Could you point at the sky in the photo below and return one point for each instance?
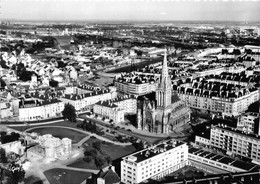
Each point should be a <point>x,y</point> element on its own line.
<point>135,10</point>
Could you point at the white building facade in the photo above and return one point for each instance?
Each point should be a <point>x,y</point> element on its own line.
<point>235,142</point>
<point>42,110</point>
<point>109,110</point>
<point>154,162</point>
<point>135,89</point>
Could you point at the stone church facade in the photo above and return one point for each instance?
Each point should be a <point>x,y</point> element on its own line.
<point>166,112</point>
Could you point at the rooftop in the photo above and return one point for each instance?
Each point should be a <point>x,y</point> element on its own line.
<point>223,159</point>
<point>153,151</point>
<point>107,104</point>
<point>86,95</point>
<point>236,131</point>
<point>242,177</point>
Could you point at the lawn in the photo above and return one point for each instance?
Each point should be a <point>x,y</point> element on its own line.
<point>60,133</point>
<point>115,151</point>
<point>65,176</point>
<point>112,150</point>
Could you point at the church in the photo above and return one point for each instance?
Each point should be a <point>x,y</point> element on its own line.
<point>164,113</point>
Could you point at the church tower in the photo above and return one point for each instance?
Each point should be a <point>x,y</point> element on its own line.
<point>164,91</point>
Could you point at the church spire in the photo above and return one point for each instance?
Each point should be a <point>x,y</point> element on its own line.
<point>164,93</point>
<point>165,79</point>
<point>164,65</point>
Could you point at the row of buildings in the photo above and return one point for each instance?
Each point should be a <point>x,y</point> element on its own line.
<point>240,138</point>
<point>154,163</point>
<point>228,93</point>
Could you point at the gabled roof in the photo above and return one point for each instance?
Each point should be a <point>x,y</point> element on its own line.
<point>110,177</point>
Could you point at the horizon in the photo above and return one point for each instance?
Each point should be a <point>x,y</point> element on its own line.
<point>133,11</point>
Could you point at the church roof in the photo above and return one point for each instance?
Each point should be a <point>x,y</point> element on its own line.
<point>175,98</point>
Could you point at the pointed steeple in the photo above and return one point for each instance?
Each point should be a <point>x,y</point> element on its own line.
<point>165,79</point>
<point>164,93</point>
<point>164,65</point>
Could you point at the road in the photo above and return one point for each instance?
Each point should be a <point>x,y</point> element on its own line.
<point>145,136</point>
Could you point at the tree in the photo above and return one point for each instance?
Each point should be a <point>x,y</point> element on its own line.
<point>54,83</point>
<point>6,176</point>
<point>12,158</point>
<point>87,159</point>
<point>33,180</point>
<point>254,107</point>
<point>18,174</point>
<point>92,153</point>
<point>3,63</point>
<point>100,161</point>
<point>3,158</point>
<point>69,112</point>
<point>97,145</point>
<point>5,138</point>
<point>108,160</point>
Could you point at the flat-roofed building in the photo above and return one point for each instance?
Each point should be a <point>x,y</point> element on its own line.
<point>235,141</point>
<point>215,163</point>
<point>249,122</point>
<point>154,162</point>
<point>252,177</point>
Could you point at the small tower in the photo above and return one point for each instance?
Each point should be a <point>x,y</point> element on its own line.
<point>164,91</point>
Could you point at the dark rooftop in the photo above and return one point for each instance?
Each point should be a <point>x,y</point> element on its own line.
<point>222,159</point>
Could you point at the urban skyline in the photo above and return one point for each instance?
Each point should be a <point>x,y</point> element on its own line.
<point>129,92</point>
<point>131,10</point>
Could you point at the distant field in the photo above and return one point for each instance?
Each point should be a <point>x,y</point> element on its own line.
<point>60,133</point>
<point>65,176</point>
<point>136,66</point>
<point>63,40</point>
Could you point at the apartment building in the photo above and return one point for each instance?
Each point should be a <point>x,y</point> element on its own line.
<point>210,71</point>
<point>136,84</point>
<point>235,141</point>
<point>218,97</point>
<point>136,89</point>
<point>127,103</point>
<point>109,110</point>
<point>5,109</point>
<point>35,110</point>
<point>215,163</point>
<point>249,122</point>
<point>154,162</point>
<point>81,101</point>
